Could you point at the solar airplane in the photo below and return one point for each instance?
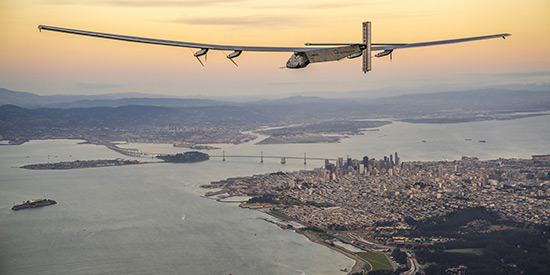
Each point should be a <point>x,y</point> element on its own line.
<point>301,56</point>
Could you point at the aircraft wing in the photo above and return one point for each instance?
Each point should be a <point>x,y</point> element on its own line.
<point>178,43</point>
<point>301,57</point>
<point>393,46</point>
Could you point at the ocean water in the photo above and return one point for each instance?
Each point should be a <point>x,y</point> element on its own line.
<point>152,218</point>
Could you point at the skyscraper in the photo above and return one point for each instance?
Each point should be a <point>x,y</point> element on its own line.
<point>396,159</point>
<point>366,162</point>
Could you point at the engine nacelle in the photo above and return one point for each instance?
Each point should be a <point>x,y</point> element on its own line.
<point>384,53</point>
<point>355,55</point>
<point>200,52</point>
<point>234,54</point>
<point>297,60</point>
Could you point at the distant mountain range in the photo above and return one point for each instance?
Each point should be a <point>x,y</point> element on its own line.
<point>486,99</point>
<point>30,100</point>
<point>109,117</point>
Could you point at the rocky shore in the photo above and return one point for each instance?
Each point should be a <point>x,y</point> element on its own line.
<point>33,204</point>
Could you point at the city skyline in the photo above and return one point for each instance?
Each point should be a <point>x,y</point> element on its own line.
<point>51,63</point>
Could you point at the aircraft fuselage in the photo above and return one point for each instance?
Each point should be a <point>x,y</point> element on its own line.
<point>297,60</point>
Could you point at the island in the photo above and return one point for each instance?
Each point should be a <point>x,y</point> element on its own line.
<point>187,157</point>
<point>81,164</point>
<point>33,204</point>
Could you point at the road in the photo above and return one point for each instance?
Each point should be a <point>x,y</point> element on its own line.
<point>415,267</point>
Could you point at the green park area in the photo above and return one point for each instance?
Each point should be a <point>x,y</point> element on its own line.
<point>377,260</point>
<point>279,215</point>
<point>474,251</point>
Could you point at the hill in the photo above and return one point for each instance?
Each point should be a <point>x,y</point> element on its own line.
<point>170,120</point>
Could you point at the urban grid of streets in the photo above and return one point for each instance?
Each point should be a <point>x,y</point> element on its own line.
<point>366,202</point>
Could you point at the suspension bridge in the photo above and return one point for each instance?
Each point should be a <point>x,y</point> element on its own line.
<point>261,157</point>
<point>136,153</point>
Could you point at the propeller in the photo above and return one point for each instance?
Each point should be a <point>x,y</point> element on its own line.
<point>200,61</point>
<point>199,53</point>
<point>233,55</point>
<point>233,62</point>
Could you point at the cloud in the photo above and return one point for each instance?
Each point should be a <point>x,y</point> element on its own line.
<point>289,83</point>
<point>530,80</point>
<point>147,4</point>
<point>240,21</point>
<point>543,73</point>
<point>201,3</point>
<point>541,77</point>
<point>283,83</point>
<point>96,86</point>
<point>318,5</point>
<point>168,3</point>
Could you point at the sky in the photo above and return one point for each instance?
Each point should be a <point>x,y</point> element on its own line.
<point>49,63</point>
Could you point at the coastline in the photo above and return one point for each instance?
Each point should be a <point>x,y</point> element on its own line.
<point>360,266</point>
<point>472,118</point>
<point>300,139</point>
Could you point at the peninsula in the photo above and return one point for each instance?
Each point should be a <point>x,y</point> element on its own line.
<point>323,132</point>
<point>430,208</point>
<point>299,138</point>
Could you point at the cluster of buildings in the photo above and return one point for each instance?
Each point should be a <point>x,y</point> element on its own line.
<point>190,135</point>
<point>363,195</point>
<point>365,166</point>
<point>145,134</point>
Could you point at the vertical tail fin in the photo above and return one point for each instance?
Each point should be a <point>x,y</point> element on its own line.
<point>367,62</point>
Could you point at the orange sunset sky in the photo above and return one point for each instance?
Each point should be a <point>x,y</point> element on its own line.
<point>48,63</point>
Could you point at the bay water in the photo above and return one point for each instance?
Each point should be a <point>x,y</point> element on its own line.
<point>153,218</point>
